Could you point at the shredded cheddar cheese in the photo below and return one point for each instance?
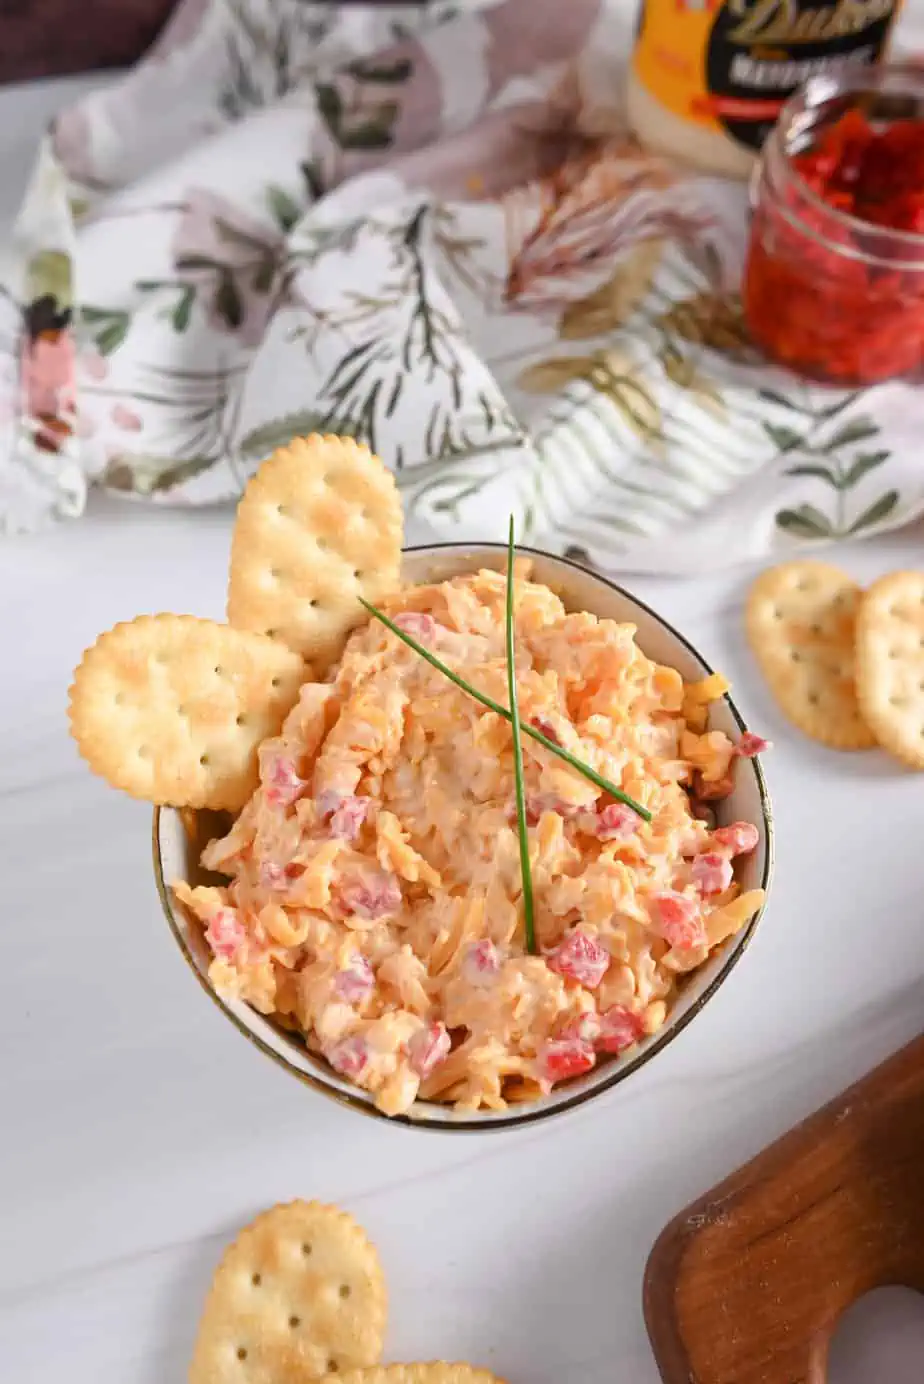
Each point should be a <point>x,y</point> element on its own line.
<point>373,889</point>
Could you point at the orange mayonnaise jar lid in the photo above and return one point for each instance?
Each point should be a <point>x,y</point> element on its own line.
<point>708,78</point>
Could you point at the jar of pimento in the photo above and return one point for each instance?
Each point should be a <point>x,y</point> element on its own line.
<point>834,277</point>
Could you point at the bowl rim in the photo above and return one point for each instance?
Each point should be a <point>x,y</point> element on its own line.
<point>528,1113</point>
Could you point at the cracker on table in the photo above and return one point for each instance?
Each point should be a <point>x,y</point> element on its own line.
<point>318,526</point>
<point>171,708</point>
<point>890,664</point>
<point>801,625</point>
<point>437,1372</point>
<point>299,1294</point>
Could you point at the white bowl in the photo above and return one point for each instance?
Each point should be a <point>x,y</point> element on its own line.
<point>179,838</point>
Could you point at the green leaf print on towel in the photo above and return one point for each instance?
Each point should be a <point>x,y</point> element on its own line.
<point>838,473</point>
<point>279,432</point>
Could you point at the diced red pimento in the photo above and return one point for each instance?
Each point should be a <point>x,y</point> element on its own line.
<point>562,1058</point>
<point>347,819</point>
<point>418,624</point>
<point>482,962</point>
<point>282,785</point>
<point>677,919</point>
<point>355,982</point>
<point>617,822</point>
<point>537,803</point>
<point>371,894</point>
<point>326,803</point>
<point>619,1029</point>
<point>580,957</point>
<point>348,1056</point>
<point>751,745</point>
<point>544,726</point>
<point>225,934</point>
<point>428,1048</point>
<point>533,811</point>
<point>740,838</point>
<point>271,875</point>
<point>712,872</point>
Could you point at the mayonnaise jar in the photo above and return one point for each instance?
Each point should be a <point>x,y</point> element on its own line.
<point>708,78</point>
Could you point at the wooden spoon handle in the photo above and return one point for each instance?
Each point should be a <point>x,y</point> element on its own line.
<point>747,1284</point>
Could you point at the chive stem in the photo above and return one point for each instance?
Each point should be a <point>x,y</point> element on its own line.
<point>522,827</point>
<point>585,769</point>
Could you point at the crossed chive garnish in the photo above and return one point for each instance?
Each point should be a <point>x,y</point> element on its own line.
<point>513,716</point>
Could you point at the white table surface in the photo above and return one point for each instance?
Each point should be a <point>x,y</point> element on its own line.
<point>138,1131</point>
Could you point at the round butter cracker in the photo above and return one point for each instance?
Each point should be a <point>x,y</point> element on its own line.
<point>171,709</point>
<point>801,626</point>
<point>890,664</point>
<point>298,1295</point>
<point>437,1372</point>
<point>319,525</point>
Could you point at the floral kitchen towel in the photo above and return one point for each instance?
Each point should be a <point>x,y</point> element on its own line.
<point>425,226</point>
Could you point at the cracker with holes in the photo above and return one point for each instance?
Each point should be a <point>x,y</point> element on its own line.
<point>890,664</point>
<point>172,709</point>
<point>801,625</point>
<point>437,1372</point>
<point>319,525</point>
<point>300,1294</point>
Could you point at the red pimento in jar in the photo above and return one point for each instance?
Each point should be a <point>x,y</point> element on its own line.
<point>834,279</point>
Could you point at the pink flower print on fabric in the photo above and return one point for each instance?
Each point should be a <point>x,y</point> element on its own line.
<point>47,390</point>
<point>231,260</point>
<point>72,144</point>
<point>502,150</point>
<point>524,36</point>
<point>94,366</point>
<point>48,374</point>
<point>126,418</point>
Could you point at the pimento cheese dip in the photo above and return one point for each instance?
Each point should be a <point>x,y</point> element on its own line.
<point>374,888</point>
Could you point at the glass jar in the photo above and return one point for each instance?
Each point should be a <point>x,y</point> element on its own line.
<point>834,297</point>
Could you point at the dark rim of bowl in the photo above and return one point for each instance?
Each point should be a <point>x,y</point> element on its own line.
<point>526,1114</point>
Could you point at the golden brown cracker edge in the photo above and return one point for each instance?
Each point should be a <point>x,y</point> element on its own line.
<point>298,1295</point>
<point>890,664</point>
<point>318,526</point>
<point>171,708</point>
<point>800,620</point>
